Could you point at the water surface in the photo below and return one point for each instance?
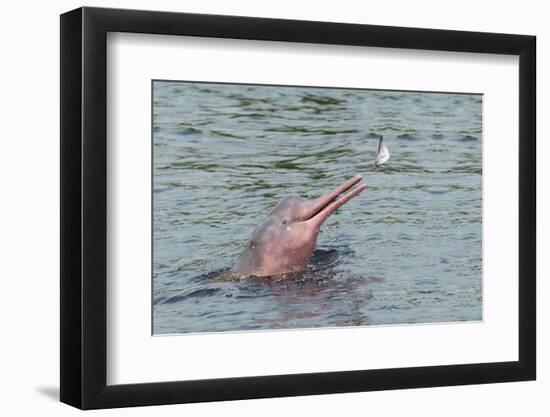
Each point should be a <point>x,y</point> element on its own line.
<point>407,250</point>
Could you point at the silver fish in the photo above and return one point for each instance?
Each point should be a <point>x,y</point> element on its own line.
<point>383,154</point>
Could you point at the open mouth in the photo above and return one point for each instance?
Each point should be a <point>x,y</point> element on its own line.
<point>326,205</point>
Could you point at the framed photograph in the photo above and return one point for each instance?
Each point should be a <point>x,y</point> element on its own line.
<point>257,208</point>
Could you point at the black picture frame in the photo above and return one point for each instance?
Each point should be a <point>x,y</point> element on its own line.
<point>84,207</point>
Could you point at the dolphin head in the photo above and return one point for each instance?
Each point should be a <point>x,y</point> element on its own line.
<point>285,240</point>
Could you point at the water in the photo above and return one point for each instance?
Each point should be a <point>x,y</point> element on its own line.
<point>407,250</point>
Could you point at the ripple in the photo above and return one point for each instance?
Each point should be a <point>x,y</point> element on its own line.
<point>467,138</point>
<point>188,131</point>
<point>323,100</point>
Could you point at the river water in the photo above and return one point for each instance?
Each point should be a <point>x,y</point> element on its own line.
<point>407,250</point>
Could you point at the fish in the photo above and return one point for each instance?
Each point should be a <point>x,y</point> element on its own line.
<point>383,154</point>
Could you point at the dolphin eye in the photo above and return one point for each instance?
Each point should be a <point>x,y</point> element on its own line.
<point>285,221</point>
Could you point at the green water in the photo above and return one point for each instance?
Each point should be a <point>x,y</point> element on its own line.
<point>407,250</point>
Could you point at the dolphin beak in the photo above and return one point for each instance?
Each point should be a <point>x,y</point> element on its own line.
<point>326,205</point>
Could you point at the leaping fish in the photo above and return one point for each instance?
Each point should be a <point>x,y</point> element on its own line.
<point>383,154</point>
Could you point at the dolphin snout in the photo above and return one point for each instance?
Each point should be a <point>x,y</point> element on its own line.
<point>327,204</point>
